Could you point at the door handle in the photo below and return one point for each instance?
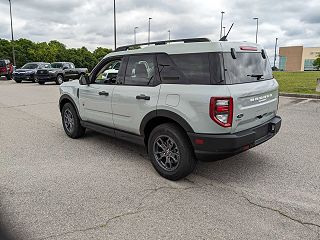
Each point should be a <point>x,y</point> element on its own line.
<point>103,93</point>
<point>142,97</point>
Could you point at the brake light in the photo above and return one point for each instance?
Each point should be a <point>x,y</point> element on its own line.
<point>221,110</point>
<point>248,48</point>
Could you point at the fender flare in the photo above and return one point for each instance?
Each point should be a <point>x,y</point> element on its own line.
<point>68,98</point>
<point>168,114</point>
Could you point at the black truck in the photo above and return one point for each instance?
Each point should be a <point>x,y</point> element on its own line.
<point>59,72</point>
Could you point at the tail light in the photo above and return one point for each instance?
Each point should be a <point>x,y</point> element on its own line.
<point>221,110</point>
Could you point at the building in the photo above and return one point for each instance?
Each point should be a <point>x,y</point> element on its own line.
<point>297,58</point>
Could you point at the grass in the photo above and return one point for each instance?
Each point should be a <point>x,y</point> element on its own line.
<point>298,82</point>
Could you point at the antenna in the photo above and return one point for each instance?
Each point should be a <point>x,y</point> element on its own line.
<point>224,38</point>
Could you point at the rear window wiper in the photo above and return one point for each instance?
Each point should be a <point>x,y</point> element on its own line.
<point>258,76</point>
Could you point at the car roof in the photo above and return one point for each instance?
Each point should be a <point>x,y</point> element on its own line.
<point>184,48</point>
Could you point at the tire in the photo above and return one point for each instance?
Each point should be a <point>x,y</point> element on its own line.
<point>18,81</point>
<point>178,160</point>
<point>71,122</point>
<point>59,79</point>
<point>40,82</point>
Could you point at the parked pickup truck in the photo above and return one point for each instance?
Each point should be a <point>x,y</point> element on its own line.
<point>59,72</point>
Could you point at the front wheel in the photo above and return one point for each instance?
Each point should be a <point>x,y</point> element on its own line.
<point>71,122</point>
<point>18,81</point>
<point>171,152</point>
<point>59,80</point>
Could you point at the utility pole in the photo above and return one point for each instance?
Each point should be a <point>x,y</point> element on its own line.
<point>275,53</point>
<point>149,29</point>
<point>257,28</point>
<point>114,24</point>
<point>224,31</point>
<point>221,23</point>
<point>169,35</point>
<point>12,40</point>
<point>135,34</point>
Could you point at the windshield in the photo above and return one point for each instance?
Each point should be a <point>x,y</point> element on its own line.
<point>247,67</point>
<point>30,66</point>
<point>56,65</point>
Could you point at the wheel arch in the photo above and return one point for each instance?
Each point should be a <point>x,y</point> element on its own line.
<point>67,99</point>
<point>157,117</point>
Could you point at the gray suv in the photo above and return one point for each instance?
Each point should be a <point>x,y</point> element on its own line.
<point>188,101</point>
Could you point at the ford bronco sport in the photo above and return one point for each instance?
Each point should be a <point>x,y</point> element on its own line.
<point>186,101</point>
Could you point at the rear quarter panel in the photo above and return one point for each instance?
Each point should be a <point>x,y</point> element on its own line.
<point>192,102</point>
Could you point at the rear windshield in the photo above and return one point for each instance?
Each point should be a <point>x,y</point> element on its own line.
<point>246,68</point>
<point>2,64</point>
<point>30,66</point>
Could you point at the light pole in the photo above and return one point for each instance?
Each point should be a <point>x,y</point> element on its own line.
<point>221,23</point>
<point>149,29</point>
<point>224,31</point>
<point>169,35</point>
<point>257,28</point>
<point>275,53</point>
<point>12,40</point>
<point>114,25</point>
<point>135,34</point>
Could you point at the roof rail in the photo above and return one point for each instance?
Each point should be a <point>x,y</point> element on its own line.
<point>185,40</point>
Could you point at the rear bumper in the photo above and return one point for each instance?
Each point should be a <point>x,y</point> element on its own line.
<point>212,145</point>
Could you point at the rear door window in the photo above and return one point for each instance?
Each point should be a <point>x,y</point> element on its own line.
<point>246,68</point>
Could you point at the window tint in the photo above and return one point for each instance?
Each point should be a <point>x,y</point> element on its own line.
<point>194,66</point>
<point>140,70</point>
<point>247,67</point>
<point>187,68</point>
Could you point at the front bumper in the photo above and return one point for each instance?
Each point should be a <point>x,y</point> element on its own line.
<point>23,77</point>
<point>46,78</point>
<point>207,146</point>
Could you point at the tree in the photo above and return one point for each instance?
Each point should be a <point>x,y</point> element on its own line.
<point>53,51</point>
<point>316,62</point>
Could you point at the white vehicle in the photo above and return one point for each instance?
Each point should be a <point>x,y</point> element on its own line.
<point>185,102</point>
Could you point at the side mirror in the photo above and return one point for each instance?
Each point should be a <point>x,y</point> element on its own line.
<point>84,80</point>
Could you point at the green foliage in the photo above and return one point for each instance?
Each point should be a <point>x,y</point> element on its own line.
<point>316,62</point>
<point>298,82</point>
<point>53,51</point>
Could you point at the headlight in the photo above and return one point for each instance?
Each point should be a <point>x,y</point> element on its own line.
<point>29,72</point>
<point>52,72</point>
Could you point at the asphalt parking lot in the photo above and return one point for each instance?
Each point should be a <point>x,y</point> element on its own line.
<point>53,187</point>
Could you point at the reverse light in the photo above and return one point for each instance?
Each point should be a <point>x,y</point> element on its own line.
<point>221,110</point>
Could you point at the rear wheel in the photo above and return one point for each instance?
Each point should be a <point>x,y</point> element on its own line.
<point>18,81</point>
<point>170,151</point>
<point>71,122</point>
<point>59,79</point>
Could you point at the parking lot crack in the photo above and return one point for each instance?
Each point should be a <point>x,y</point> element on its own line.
<point>281,213</point>
<point>26,105</point>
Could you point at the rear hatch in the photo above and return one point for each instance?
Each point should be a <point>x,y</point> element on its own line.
<point>251,85</point>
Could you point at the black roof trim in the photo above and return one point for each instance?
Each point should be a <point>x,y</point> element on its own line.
<point>185,40</point>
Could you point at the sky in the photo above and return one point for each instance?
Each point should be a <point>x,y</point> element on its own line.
<point>89,23</point>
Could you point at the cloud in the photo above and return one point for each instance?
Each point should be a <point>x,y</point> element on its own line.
<point>89,23</point>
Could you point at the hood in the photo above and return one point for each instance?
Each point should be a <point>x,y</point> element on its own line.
<point>53,69</point>
<point>25,70</point>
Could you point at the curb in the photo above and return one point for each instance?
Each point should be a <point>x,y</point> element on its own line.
<point>297,95</point>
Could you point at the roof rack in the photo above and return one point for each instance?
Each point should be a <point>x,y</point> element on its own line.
<point>185,40</point>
